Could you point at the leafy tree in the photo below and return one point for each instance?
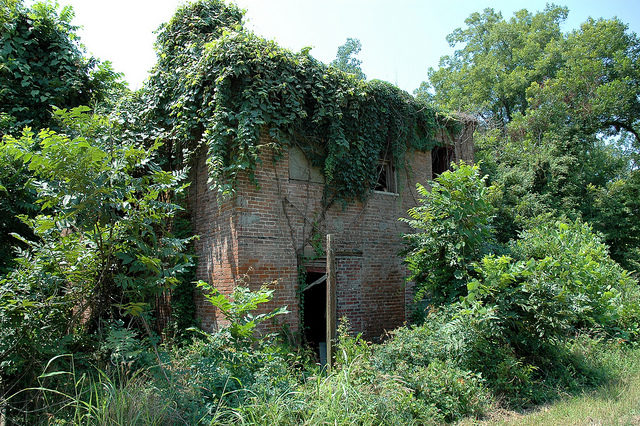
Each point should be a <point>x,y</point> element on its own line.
<point>499,60</point>
<point>559,112</point>
<point>596,88</point>
<point>453,230</point>
<point>103,247</point>
<point>41,66</point>
<point>423,93</point>
<point>616,214</point>
<point>346,58</point>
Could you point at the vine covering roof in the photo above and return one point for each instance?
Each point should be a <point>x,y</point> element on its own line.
<point>221,87</point>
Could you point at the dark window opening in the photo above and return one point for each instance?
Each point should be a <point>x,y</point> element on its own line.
<point>386,181</point>
<point>314,311</point>
<point>441,159</point>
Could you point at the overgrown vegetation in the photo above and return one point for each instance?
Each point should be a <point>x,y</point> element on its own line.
<point>103,251</point>
<point>510,312</point>
<point>518,300</point>
<point>220,87</point>
<point>558,113</point>
<point>454,230</point>
<point>41,65</point>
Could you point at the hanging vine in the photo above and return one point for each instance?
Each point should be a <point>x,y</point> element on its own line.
<point>221,87</point>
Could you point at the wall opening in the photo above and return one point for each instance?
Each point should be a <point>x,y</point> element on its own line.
<point>386,181</point>
<point>441,159</point>
<point>314,308</point>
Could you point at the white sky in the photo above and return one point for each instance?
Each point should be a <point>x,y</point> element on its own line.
<point>400,39</point>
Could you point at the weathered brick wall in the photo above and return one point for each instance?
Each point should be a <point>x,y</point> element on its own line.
<point>349,303</point>
<point>216,223</point>
<point>264,230</point>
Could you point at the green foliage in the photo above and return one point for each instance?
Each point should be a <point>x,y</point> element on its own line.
<point>430,359</point>
<point>103,248</point>
<point>471,342</point>
<point>179,46</point>
<point>346,60</point>
<point>616,215</point>
<point>15,198</point>
<point>228,87</point>
<point>41,65</point>
<point>453,230</point>
<point>498,61</point>
<point>506,312</point>
<point>453,392</point>
<point>558,113</point>
<point>234,361</point>
<point>104,397</point>
<point>561,278</point>
<point>353,393</point>
<point>238,308</point>
<point>598,83</point>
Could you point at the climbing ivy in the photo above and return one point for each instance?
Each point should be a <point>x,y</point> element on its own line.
<point>222,88</point>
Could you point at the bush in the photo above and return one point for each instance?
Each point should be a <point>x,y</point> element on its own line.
<point>453,230</point>
<point>103,248</point>
<point>505,312</point>
<point>454,393</point>
<point>471,341</point>
<point>233,363</point>
<point>559,279</point>
<point>468,342</point>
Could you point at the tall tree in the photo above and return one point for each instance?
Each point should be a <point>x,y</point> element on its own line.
<point>41,66</point>
<point>560,113</point>
<point>346,58</point>
<point>499,60</point>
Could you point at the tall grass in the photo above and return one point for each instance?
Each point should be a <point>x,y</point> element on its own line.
<point>101,398</point>
<point>350,394</point>
<point>353,393</point>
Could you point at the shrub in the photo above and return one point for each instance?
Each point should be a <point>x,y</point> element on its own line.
<point>452,391</point>
<point>354,392</point>
<point>469,341</point>
<point>559,279</point>
<point>453,230</point>
<point>103,248</point>
<point>235,362</point>
<point>472,344</point>
<point>506,312</point>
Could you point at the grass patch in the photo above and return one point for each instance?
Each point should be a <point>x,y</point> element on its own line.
<point>616,401</point>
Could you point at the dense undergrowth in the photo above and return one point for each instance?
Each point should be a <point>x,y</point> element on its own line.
<point>501,319</point>
<point>530,325</point>
<point>218,379</point>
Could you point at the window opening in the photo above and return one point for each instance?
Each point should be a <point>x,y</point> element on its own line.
<point>386,177</point>
<point>441,159</point>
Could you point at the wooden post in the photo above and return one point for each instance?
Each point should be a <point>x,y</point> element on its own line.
<point>331,300</point>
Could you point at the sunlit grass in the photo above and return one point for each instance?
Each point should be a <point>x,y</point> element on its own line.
<point>615,402</point>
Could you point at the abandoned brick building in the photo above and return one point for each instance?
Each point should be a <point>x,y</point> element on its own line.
<point>271,232</point>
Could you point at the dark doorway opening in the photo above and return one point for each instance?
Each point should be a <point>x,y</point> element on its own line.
<point>441,159</point>
<point>314,307</point>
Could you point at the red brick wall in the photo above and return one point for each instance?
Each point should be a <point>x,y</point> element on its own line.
<point>263,231</point>
<point>349,291</point>
<point>216,223</point>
